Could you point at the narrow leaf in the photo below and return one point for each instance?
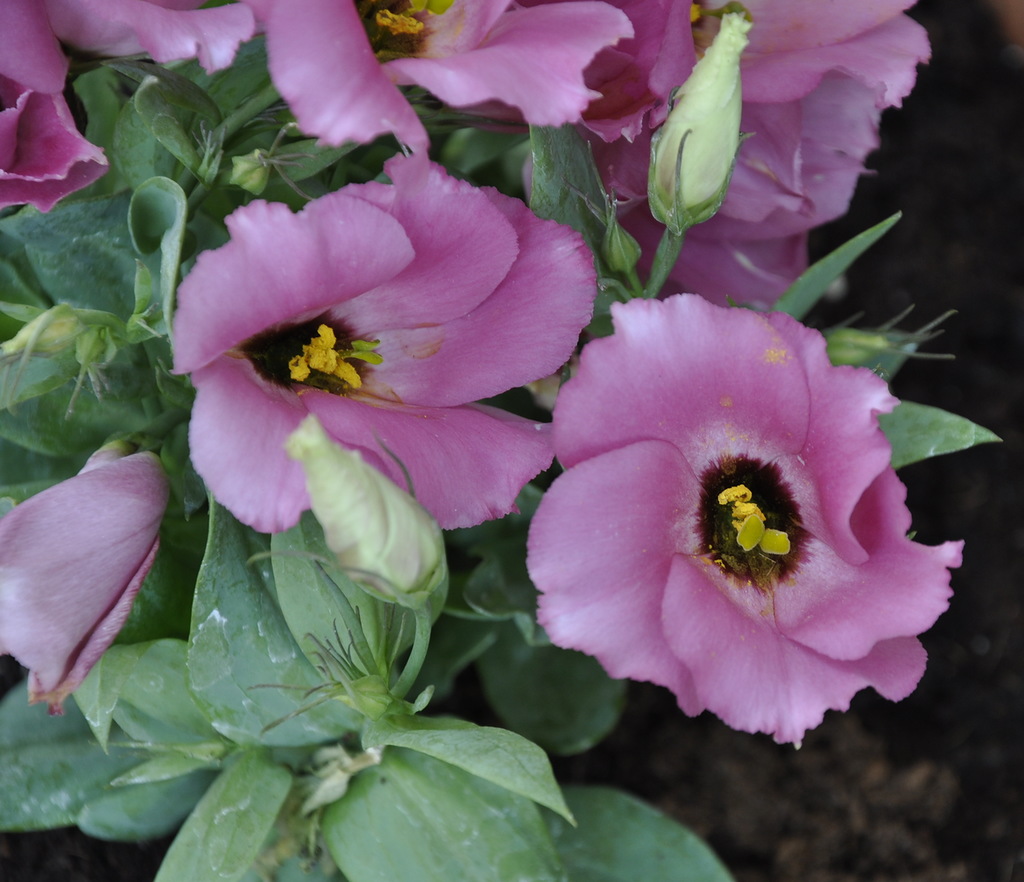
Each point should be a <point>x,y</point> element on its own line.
<point>917,432</point>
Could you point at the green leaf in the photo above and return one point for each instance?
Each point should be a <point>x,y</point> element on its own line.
<point>917,432</point>
<point>566,186</point>
<point>225,832</point>
<point>136,153</point>
<point>807,290</point>
<point>496,755</point>
<point>619,837</point>
<point>99,692</point>
<point>559,698</point>
<point>312,606</point>
<point>174,89</point>
<point>418,819</point>
<point>244,667</point>
<point>143,811</point>
<point>156,218</point>
<point>52,766</point>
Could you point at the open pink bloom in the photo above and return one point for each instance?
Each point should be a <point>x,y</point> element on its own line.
<point>72,559</point>
<point>728,524</point>
<point>814,86</point>
<point>166,30</point>
<point>339,72</point>
<point>406,302</point>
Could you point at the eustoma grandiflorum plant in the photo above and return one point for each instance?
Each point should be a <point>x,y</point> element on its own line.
<point>271,477</point>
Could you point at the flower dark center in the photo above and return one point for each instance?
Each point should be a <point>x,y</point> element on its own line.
<point>749,523</point>
<point>396,27</point>
<point>315,353</point>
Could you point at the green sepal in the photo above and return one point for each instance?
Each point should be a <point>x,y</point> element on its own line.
<point>918,431</point>
<point>496,755</point>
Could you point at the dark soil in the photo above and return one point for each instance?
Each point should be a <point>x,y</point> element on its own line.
<point>930,789</point>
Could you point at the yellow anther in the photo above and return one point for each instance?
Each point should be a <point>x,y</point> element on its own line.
<point>739,493</point>
<point>398,24</point>
<point>750,532</point>
<point>694,12</point>
<point>775,542</point>
<point>320,355</point>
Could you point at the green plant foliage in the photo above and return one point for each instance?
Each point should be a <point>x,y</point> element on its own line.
<point>496,755</point>
<point>561,699</point>
<point>618,837</point>
<point>917,432</point>
<point>52,766</point>
<point>224,833</point>
<point>419,819</point>
<point>244,667</point>
<point>806,291</point>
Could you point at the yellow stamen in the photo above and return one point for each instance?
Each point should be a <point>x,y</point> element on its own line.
<point>398,24</point>
<point>694,12</point>
<point>748,519</point>
<point>320,355</point>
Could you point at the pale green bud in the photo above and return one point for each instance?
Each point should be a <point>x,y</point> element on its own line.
<point>48,333</point>
<point>382,537</point>
<point>250,172</point>
<point>693,153</point>
<point>850,346</point>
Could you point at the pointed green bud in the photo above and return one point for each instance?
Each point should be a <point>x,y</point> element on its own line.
<point>693,153</point>
<point>618,248</point>
<point>382,537</point>
<point>48,333</point>
<point>850,346</point>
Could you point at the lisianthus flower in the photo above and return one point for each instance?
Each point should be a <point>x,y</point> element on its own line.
<point>634,77</point>
<point>728,524</point>
<point>43,158</point>
<point>385,310</point>
<point>72,559</point>
<point>814,86</point>
<point>338,64</point>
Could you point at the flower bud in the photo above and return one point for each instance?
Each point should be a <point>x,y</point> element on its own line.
<point>381,536</point>
<point>72,559</point>
<point>250,172</point>
<point>693,153</point>
<point>859,348</point>
<point>48,333</point>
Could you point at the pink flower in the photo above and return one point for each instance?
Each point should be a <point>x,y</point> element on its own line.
<point>814,86</point>
<point>384,310</point>
<point>42,156</point>
<point>166,30</point>
<point>72,559</point>
<point>728,524</point>
<point>634,77</point>
<point>339,71</point>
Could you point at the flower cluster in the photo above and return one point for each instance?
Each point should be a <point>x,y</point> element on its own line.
<point>340,362</point>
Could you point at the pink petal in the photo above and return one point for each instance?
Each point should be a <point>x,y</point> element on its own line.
<point>43,158</point>
<point>283,267</point>
<point>691,402</point>
<point>756,679</point>
<point>467,464</point>
<point>61,603</point>
<point>237,434</point>
<point>168,30</point>
<point>532,59</point>
<point>841,610</point>
<point>29,52</point>
<point>324,67</point>
<point>513,337</point>
<point>613,524</point>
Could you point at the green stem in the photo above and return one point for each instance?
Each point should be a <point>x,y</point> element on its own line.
<point>664,260</point>
<point>254,106</point>
<point>417,654</point>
